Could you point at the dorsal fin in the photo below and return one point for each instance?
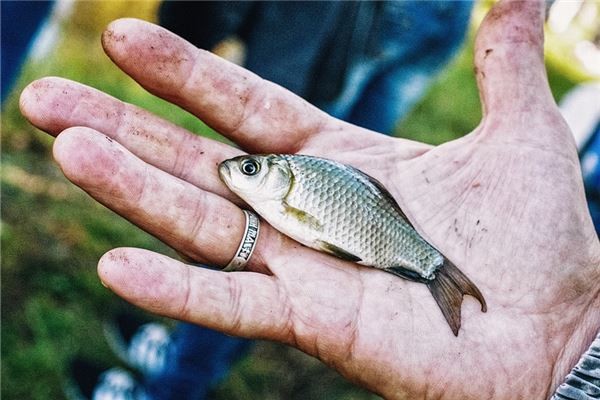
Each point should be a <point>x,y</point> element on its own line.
<point>385,193</point>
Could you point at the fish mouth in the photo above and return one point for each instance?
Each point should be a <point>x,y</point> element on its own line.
<point>224,172</point>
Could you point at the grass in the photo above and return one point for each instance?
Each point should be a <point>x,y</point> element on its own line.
<point>53,234</point>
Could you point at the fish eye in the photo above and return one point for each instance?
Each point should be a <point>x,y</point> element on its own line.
<point>249,167</point>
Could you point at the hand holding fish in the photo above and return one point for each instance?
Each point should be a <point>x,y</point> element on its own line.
<point>505,203</point>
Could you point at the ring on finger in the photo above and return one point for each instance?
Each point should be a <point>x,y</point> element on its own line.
<point>247,244</point>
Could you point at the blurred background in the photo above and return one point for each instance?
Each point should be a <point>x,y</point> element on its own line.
<point>52,234</point>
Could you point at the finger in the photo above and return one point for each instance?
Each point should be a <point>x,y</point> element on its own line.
<point>509,59</point>
<point>242,304</point>
<point>55,104</point>
<point>199,224</point>
<point>256,114</point>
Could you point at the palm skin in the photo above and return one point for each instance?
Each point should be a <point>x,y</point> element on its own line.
<point>504,202</point>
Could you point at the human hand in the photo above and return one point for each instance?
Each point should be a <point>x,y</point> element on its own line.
<point>504,202</point>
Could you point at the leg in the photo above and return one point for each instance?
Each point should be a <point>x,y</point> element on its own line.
<point>196,359</point>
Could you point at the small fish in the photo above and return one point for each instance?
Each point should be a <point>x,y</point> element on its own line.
<point>338,209</point>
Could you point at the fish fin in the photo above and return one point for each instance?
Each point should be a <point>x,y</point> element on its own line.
<point>337,251</point>
<point>386,194</point>
<point>448,288</point>
<point>303,216</point>
<point>406,274</point>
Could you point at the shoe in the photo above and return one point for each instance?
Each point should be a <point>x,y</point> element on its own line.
<point>138,343</point>
<point>91,382</point>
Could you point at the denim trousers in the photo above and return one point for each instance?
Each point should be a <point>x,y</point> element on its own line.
<point>196,360</point>
<point>415,40</point>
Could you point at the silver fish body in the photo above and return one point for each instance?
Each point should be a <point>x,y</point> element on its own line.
<point>338,209</point>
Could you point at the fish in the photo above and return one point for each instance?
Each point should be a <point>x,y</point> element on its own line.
<point>338,209</point>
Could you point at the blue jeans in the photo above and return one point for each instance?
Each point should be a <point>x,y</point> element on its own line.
<point>21,21</point>
<point>197,359</point>
<point>415,41</point>
<point>363,62</point>
<point>590,168</point>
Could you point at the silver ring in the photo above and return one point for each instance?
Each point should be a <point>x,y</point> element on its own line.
<point>244,251</point>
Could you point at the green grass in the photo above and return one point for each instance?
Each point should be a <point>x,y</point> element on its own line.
<point>451,107</point>
<point>53,234</point>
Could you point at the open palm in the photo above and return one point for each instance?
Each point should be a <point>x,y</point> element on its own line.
<point>504,202</point>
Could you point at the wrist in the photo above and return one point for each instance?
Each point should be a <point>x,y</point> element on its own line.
<point>584,379</point>
<point>577,372</point>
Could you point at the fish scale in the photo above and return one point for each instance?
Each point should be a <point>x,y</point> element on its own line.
<point>356,217</point>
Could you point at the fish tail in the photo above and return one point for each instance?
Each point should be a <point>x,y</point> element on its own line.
<point>448,289</point>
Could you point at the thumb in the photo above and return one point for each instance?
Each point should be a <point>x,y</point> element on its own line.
<point>509,60</point>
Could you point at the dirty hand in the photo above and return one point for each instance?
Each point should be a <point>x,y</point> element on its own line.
<point>504,202</point>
